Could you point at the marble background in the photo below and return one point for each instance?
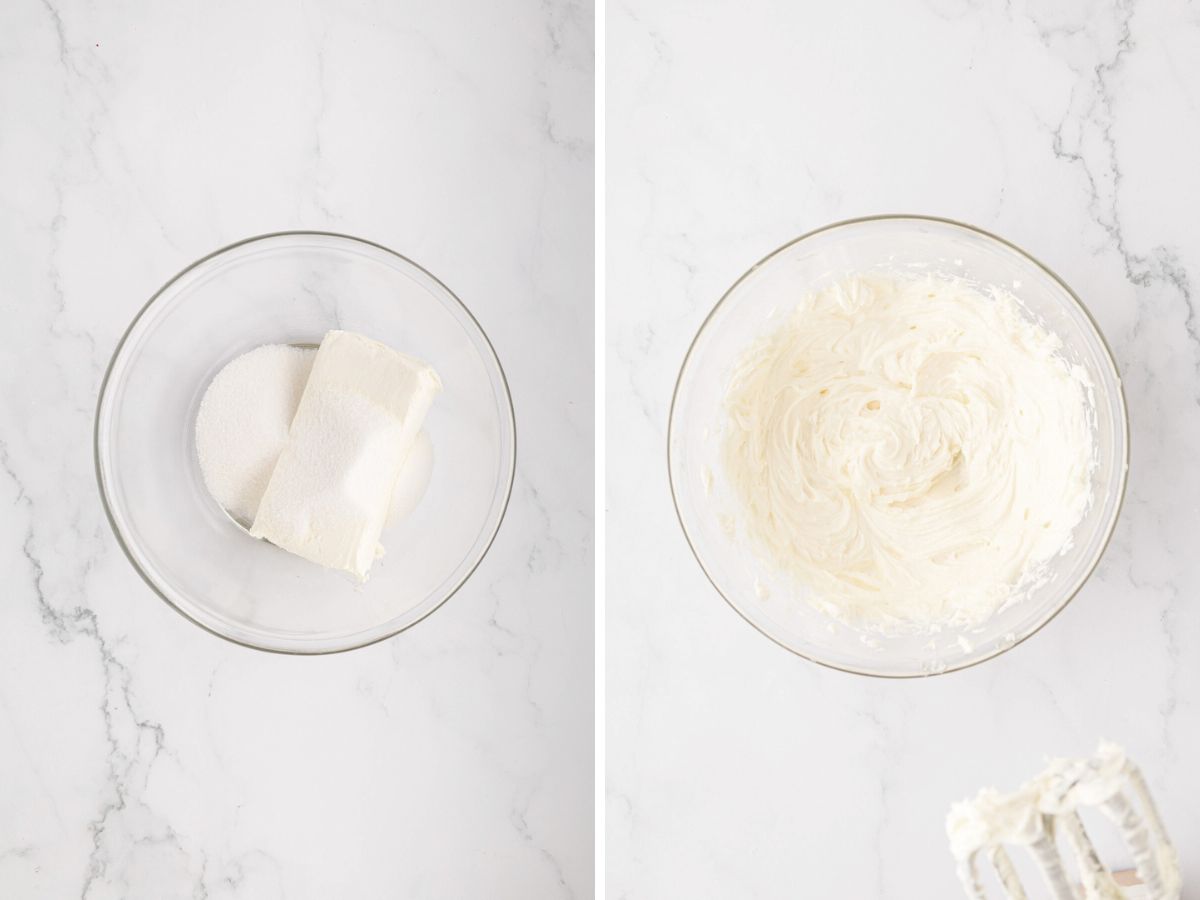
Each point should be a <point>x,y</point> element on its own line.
<point>1072,128</point>
<point>142,757</point>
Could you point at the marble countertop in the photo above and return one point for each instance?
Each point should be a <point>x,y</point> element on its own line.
<point>142,757</point>
<point>1073,129</point>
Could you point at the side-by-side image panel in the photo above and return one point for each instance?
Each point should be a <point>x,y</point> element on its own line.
<point>297,435</point>
<point>900,407</point>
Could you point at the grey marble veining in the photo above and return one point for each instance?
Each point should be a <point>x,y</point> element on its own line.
<point>143,758</point>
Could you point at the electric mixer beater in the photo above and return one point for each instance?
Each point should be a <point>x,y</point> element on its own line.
<point>1037,814</point>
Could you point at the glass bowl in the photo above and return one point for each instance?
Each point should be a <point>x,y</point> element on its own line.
<point>770,602</point>
<point>292,288</point>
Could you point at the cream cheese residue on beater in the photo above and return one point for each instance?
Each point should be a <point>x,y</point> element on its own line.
<point>909,449</point>
<point>1035,816</point>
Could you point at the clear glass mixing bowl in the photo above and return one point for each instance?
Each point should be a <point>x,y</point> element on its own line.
<point>770,602</point>
<point>292,288</point>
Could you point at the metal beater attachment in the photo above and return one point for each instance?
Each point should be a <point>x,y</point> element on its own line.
<point>1047,808</point>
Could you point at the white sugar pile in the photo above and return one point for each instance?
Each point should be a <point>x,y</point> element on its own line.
<point>243,424</point>
<point>244,420</point>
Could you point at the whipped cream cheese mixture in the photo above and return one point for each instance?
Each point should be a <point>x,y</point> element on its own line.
<point>910,449</point>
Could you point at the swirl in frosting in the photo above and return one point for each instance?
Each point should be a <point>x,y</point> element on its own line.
<point>909,449</point>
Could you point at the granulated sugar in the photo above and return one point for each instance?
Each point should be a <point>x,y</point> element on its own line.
<point>243,423</point>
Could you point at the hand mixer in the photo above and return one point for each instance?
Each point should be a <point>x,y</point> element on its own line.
<point>1037,814</point>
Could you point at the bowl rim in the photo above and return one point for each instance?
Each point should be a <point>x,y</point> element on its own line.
<point>101,480</point>
<point>1110,527</point>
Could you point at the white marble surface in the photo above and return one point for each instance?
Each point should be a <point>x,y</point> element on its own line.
<point>141,757</point>
<point>734,768</point>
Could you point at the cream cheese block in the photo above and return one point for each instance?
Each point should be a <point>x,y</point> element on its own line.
<point>327,499</point>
